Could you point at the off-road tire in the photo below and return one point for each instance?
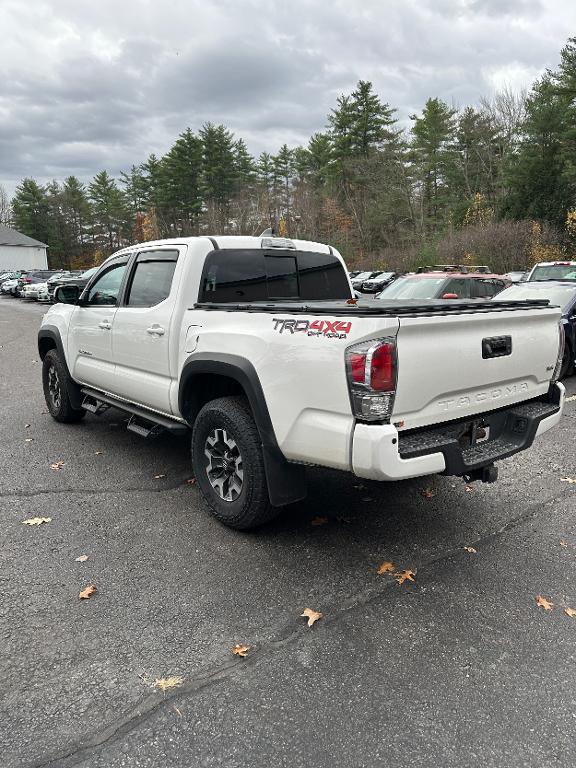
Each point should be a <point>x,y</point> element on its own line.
<point>56,383</point>
<point>231,416</point>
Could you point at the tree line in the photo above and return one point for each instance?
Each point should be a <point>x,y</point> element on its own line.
<point>493,183</point>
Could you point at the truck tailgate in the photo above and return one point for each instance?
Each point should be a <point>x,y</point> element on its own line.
<point>453,366</point>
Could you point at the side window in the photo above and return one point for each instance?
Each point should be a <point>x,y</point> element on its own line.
<point>485,289</point>
<point>460,286</point>
<point>105,290</point>
<point>152,278</point>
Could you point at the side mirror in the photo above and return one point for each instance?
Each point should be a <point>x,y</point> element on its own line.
<point>67,294</point>
<point>450,296</point>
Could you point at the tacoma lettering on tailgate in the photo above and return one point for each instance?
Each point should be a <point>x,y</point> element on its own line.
<point>481,397</point>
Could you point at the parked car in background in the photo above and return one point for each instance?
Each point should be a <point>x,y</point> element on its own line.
<point>361,278</point>
<point>9,286</point>
<point>354,273</point>
<point>516,277</point>
<point>434,285</point>
<point>39,291</point>
<point>559,293</point>
<point>378,283</point>
<point>553,270</point>
<point>73,278</point>
<point>461,268</point>
<point>33,277</point>
<point>9,277</point>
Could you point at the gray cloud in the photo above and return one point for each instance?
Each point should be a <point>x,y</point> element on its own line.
<point>102,85</point>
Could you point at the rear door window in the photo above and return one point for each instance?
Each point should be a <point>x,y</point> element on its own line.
<point>152,278</point>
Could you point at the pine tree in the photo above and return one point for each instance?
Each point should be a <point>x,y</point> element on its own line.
<point>76,209</point>
<point>31,212</point>
<point>179,189</point>
<point>433,134</point>
<point>538,175</point>
<point>360,123</point>
<point>109,212</point>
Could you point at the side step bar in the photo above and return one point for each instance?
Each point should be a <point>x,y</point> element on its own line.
<point>142,422</point>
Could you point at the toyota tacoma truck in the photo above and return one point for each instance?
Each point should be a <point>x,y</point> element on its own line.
<point>256,346</point>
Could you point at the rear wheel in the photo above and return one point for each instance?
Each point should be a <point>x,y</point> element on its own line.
<point>229,465</point>
<point>56,382</point>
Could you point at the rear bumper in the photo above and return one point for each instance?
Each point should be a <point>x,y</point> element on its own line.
<point>380,452</point>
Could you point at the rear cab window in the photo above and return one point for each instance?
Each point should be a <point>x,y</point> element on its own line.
<point>252,275</point>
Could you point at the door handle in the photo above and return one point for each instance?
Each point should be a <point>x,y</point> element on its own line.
<point>105,325</point>
<point>155,330</point>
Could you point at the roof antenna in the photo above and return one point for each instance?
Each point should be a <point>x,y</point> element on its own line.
<point>268,232</point>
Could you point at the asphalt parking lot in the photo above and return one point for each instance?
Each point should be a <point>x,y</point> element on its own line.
<point>459,668</point>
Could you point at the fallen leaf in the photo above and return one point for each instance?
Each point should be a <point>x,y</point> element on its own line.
<point>570,612</point>
<point>26,426</point>
<point>403,576</point>
<point>165,683</point>
<point>319,521</point>
<point>311,615</point>
<point>570,480</point>
<point>471,550</point>
<point>87,592</point>
<point>428,493</point>
<point>29,440</point>
<point>386,567</point>
<point>469,488</point>
<point>541,601</point>
<point>570,399</point>
<point>81,559</point>
<point>57,466</point>
<point>37,520</point>
<point>191,481</point>
<point>177,711</point>
<point>564,543</point>
<point>159,477</point>
<point>240,650</point>
<point>351,301</point>
<point>98,453</point>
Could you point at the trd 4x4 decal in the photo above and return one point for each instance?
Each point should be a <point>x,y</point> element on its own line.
<point>331,329</point>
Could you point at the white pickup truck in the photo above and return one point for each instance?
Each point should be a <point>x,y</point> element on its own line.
<point>256,345</point>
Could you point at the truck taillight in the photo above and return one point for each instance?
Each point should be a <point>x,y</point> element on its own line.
<point>371,370</point>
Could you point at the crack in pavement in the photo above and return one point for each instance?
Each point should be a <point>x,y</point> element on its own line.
<point>260,652</point>
<point>96,491</point>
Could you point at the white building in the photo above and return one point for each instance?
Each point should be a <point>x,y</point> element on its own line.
<point>19,251</point>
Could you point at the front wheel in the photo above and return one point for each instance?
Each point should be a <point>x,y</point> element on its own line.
<point>229,466</point>
<point>56,382</point>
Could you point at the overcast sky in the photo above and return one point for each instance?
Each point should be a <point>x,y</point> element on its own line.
<point>102,84</point>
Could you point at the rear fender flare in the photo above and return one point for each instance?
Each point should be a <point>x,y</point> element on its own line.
<point>286,481</point>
